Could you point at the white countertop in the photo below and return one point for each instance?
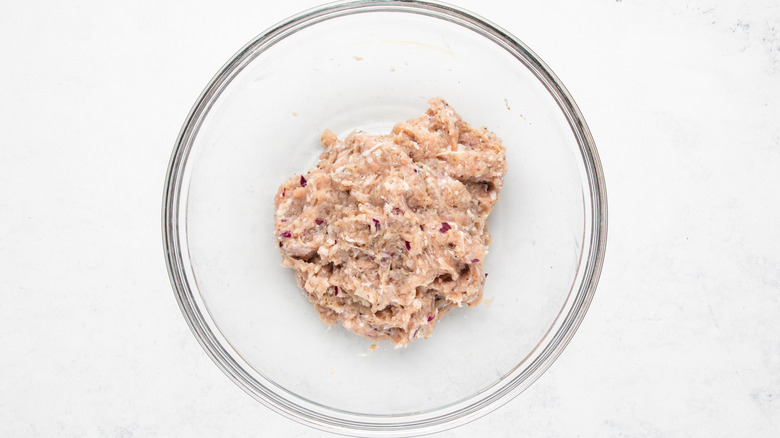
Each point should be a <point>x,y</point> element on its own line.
<point>682,339</point>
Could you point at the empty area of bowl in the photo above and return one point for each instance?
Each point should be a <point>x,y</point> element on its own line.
<point>369,71</point>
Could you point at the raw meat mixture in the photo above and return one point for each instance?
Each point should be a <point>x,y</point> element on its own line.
<point>389,232</point>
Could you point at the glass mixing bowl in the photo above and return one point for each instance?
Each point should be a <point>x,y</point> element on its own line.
<point>367,65</point>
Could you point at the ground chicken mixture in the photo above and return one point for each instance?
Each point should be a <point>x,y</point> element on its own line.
<point>388,232</point>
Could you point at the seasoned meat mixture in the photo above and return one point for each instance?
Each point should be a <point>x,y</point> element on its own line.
<point>388,232</point>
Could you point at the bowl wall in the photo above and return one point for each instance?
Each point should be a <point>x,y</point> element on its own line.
<point>259,123</point>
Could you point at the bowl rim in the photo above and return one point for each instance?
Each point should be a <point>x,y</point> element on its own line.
<point>322,417</point>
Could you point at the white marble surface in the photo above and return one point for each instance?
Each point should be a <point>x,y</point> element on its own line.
<point>683,338</point>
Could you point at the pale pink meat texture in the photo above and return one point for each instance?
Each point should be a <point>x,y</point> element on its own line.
<point>389,232</point>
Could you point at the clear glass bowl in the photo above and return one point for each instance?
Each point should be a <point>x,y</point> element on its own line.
<point>366,65</point>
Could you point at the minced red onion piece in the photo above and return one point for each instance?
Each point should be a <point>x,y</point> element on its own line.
<point>397,210</point>
<point>430,318</point>
<point>286,234</point>
<point>335,290</point>
<point>444,227</point>
<point>376,224</point>
<point>303,181</point>
<point>408,245</point>
<point>474,260</point>
<point>318,221</point>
